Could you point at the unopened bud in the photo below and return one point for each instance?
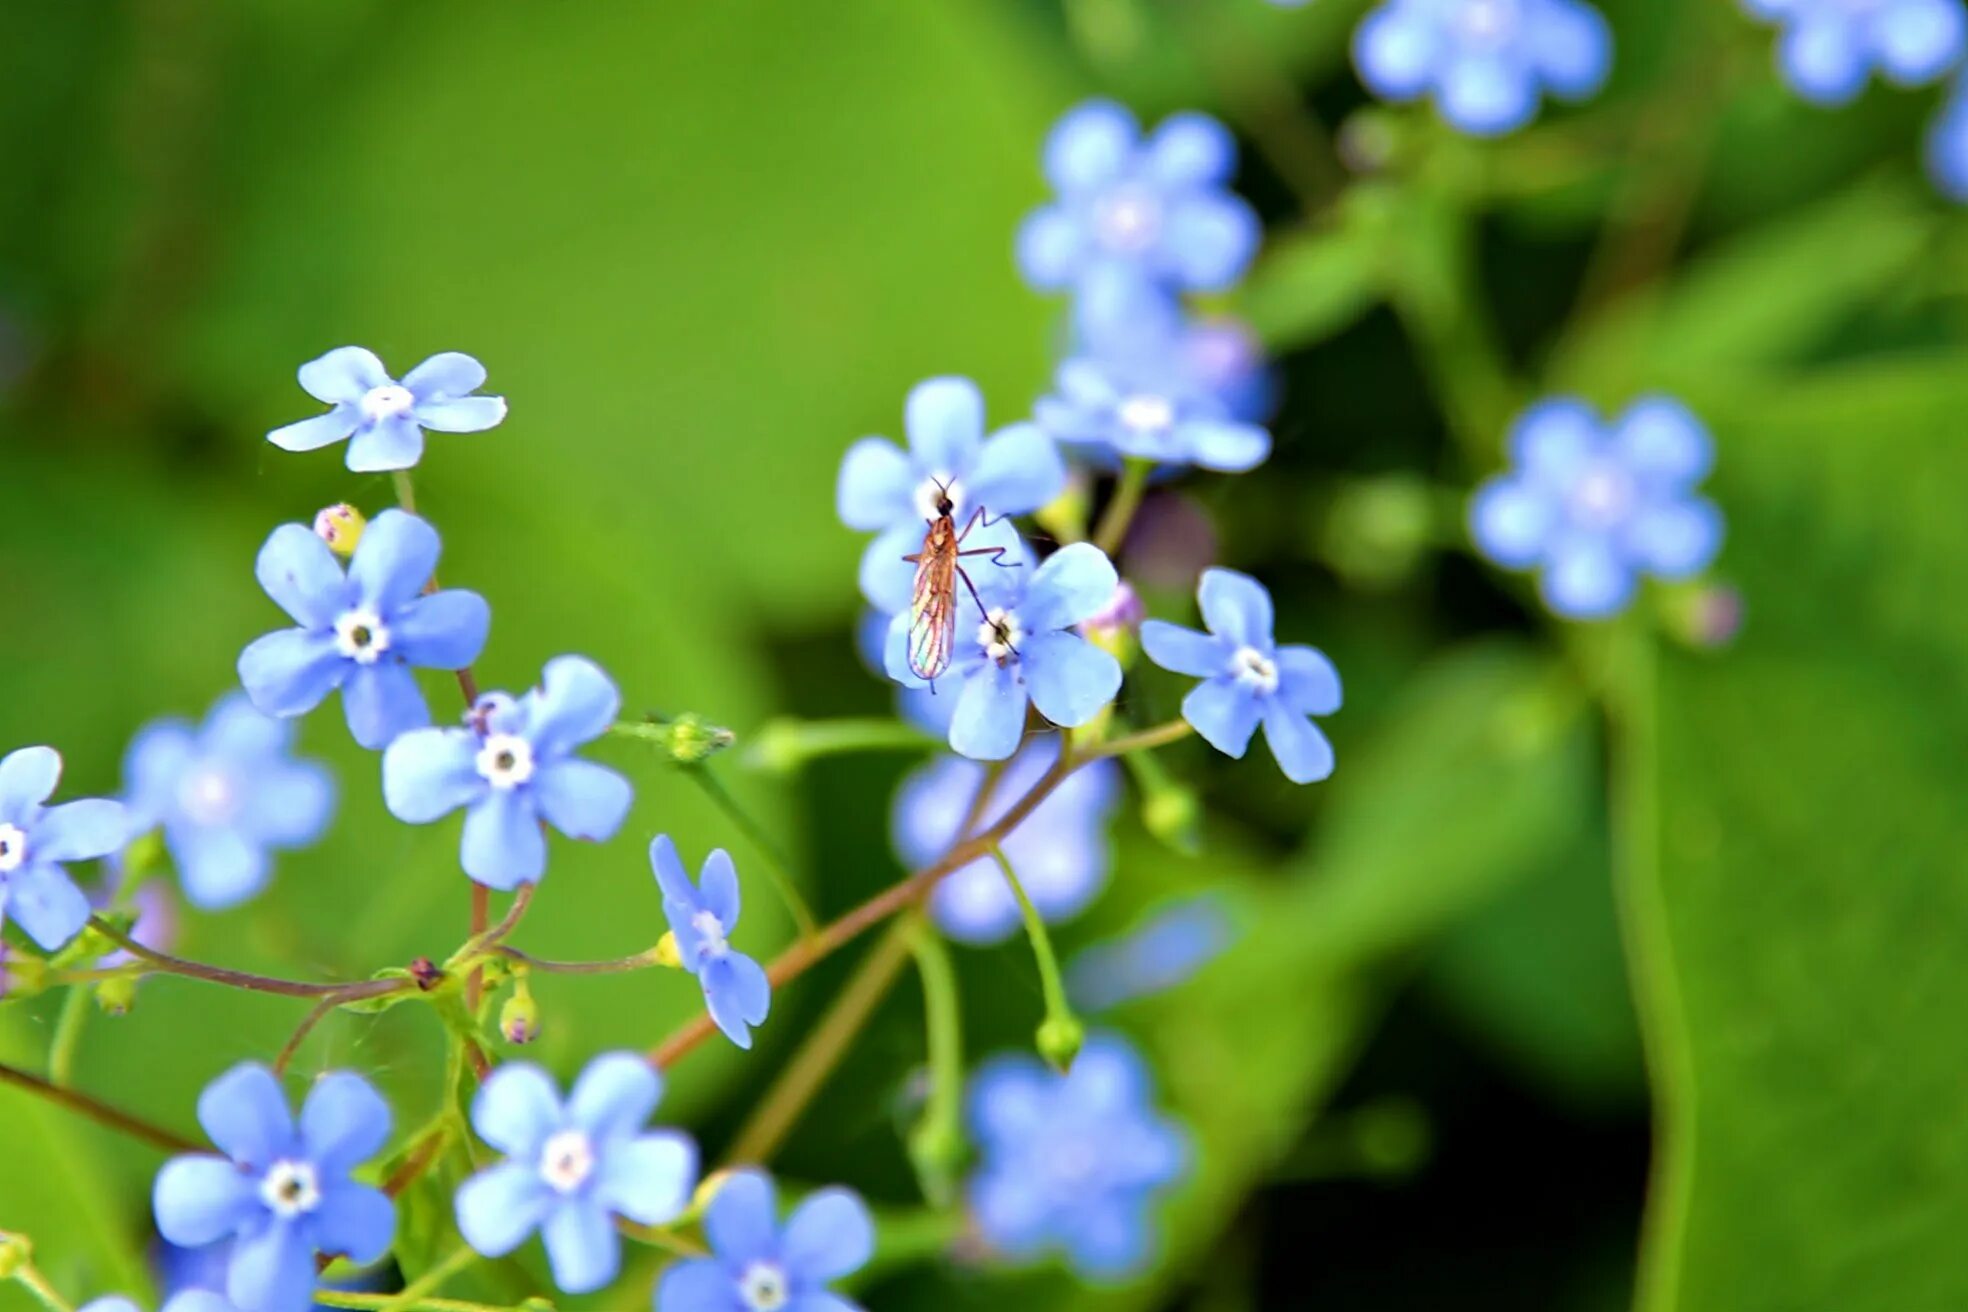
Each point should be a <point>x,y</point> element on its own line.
<point>1705,616</point>
<point>936,1149</point>
<point>1060,1039</point>
<point>340,526</point>
<point>694,739</point>
<point>519,1019</point>
<point>116,996</point>
<point>1113,627</point>
<point>1173,816</point>
<point>667,953</point>
<point>427,974</point>
<point>1377,530</point>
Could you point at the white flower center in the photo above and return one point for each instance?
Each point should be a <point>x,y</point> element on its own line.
<point>1000,634</point>
<point>387,402</point>
<point>1146,413</point>
<point>1488,22</point>
<point>13,848</point>
<point>361,636</point>
<point>208,796</point>
<point>1254,669</point>
<point>506,760</point>
<point>931,492</point>
<point>711,941</point>
<point>1602,497</point>
<point>290,1189</point>
<point>1129,220</point>
<point>567,1160</point>
<point>764,1287</point>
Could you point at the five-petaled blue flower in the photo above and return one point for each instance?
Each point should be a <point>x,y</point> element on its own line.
<point>894,494</point>
<point>1592,508</point>
<point>1827,48</point>
<point>701,919</point>
<point>1485,62</point>
<point>572,1167</point>
<point>387,418</point>
<point>285,1193</point>
<point>36,840</point>
<point>1022,650</point>
<point>1150,398</point>
<point>1071,1162</point>
<point>363,631</point>
<point>1060,850</point>
<point>757,1265</point>
<point>1131,213</point>
<point>511,767</point>
<point>1247,678</point>
<point>225,793</point>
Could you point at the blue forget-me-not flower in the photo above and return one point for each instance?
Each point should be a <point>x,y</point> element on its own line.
<point>1826,49</point>
<point>1060,850</point>
<point>572,1167</point>
<point>226,794</point>
<point>701,919</point>
<point>1022,651</point>
<point>1071,1162</point>
<point>188,1300</point>
<point>1150,397</point>
<point>383,420</point>
<point>1166,951</point>
<point>511,767</point>
<point>1591,508</point>
<point>37,840</point>
<point>1247,678</point>
<point>361,631</point>
<point>1131,212</point>
<point>758,1265</point>
<point>1485,62</point>
<point>282,1192</point>
<point>894,493</point>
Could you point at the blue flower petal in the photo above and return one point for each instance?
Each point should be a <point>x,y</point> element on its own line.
<point>245,1113</point>
<point>1074,582</point>
<point>1210,240</point>
<point>302,576</point>
<point>218,866</point>
<point>697,1285</point>
<point>516,1109</point>
<point>1012,1211</point>
<point>1016,471</point>
<point>1090,147</point>
<point>201,1199</point>
<point>272,1270</point>
<point>1586,579</point>
<point>737,993</point>
<point>1395,50</point>
<point>152,767</point>
<point>575,703</point>
<point>1110,1240</point>
<point>614,1096</point>
<point>1051,246</point>
<point>195,1300</point>
<point>500,1206</point>
<point>876,487</point>
<point>1307,681</point>
<point>290,671</point>
<point>1190,150</point>
<point>1551,440</point>
<point>822,1300</point>
<point>581,799</point>
<point>742,1221</point>
<point>431,772</point>
<point>357,1220</point>
<point>80,831</point>
<point>393,443</point>
<point>318,430</point>
<point>393,561</point>
<point>238,732</point>
<point>649,1178</point>
<point>1236,606</point>
<point>1182,650</point>
<point>1068,677</point>
<point>344,1122</point>
<point>292,803</point>
<point>1659,439</point>
<point>973,904</point>
<point>1822,58</point>
<point>463,414</point>
<point>1512,519</point>
<point>1224,712</point>
<point>720,888</point>
<point>1223,445</point>
<point>886,578</point>
<point>990,715</point>
<point>382,702</point>
<point>1675,539</point>
<point>1571,46</point>
<point>945,422</point>
<point>829,1235</point>
<point>502,846</point>
<point>582,1246</point>
<point>444,375</point>
<point>1918,40</point>
<point>1302,751</point>
<point>444,631</point>
<point>44,901</point>
<point>674,881</point>
<point>28,777</point>
<point>344,374</point>
<point>1486,95</point>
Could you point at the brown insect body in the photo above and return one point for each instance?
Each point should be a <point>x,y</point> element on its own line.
<point>933,603</point>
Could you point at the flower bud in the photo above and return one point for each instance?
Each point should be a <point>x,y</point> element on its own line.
<point>1113,627</point>
<point>519,1019</point>
<point>1173,816</point>
<point>1705,616</point>
<point>1065,516</point>
<point>340,526</point>
<point>1377,529</point>
<point>936,1150</point>
<point>693,739</point>
<point>667,953</point>
<point>116,996</point>
<point>1060,1039</point>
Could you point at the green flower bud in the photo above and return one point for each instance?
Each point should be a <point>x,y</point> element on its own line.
<point>694,740</point>
<point>1060,1039</point>
<point>937,1152</point>
<point>519,1019</point>
<point>117,996</point>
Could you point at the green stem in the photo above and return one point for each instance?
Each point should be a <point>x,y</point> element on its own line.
<point>1058,1011</point>
<point>776,871</point>
<point>1128,492</point>
<point>613,966</point>
<point>99,1112</point>
<point>937,1142</point>
<point>663,1237</point>
<point>406,491</point>
<point>1141,740</point>
<point>352,991</point>
<point>431,1280</point>
<point>68,1037</point>
<point>786,745</point>
<point>376,1302</point>
<point>30,1277</point>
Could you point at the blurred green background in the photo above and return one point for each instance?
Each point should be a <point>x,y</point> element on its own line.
<point>703,246</point>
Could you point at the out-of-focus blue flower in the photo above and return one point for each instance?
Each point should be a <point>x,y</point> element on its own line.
<point>282,1192</point>
<point>385,418</point>
<point>702,918</point>
<point>226,793</point>
<point>1156,212</point>
<point>185,1272</point>
<point>572,1167</point>
<point>360,632</point>
<point>1169,949</point>
<point>1152,400</point>
<point>1247,678</point>
<point>894,494</point>
<point>919,706</point>
<point>757,1265</point>
<point>1947,145</point>
<point>1225,356</point>
<point>1484,62</point>
<point>1022,651</point>
<point>1592,508</point>
<point>36,842</point>
<point>1826,49</point>
<point>190,1300</point>
<point>1071,1162</point>
<point>1060,850</point>
<point>512,767</point>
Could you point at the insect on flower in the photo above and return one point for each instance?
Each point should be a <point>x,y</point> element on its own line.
<point>933,604</point>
